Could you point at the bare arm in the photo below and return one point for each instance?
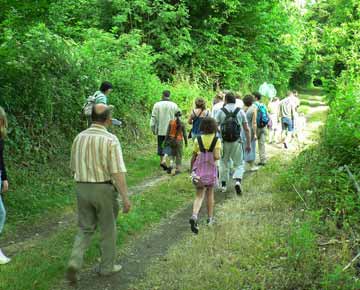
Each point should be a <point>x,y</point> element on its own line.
<point>119,180</point>
<point>217,154</point>
<point>154,119</point>
<point>167,134</point>
<point>193,159</point>
<point>247,134</point>
<point>185,135</point>
<point>254,123</point>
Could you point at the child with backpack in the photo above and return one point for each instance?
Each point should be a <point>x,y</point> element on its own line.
<point>175,138</point>
<point>207,149</point>
<point>274,114</point>
<point>197,116</point>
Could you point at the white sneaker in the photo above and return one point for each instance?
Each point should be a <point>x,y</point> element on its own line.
<point>254,168</point>
<point>116,269</point>
<point>3,259</point>
<point>223,189</point>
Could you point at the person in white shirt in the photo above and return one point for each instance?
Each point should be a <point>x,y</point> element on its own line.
<point>294,97</point>
<point>233,148</point>
<point>287,114</point>
<point>217,104</point>
<point>274,113</point>
<point>162,113</point>
<point>239,102</point>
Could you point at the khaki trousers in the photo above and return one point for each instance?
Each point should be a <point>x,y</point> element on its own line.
<point>97,206</point>
<point>261,135</point>
<point>232,151</point>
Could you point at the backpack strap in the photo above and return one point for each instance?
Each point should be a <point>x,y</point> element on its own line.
<point>201,144</point>
<point>226,112</point>
<point>237,110</point>
<point>213,144</point>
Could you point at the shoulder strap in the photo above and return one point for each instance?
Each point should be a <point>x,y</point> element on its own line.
<point>196,117</point>
<point>201,144</point>
<point>225,111</point>
<point>213,144</point>
<point>236,111</point>
<point>200,113</point>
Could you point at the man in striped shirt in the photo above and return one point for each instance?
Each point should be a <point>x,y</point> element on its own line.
<point>98,165</point>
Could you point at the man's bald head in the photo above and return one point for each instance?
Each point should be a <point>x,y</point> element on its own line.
<point>101,113</point>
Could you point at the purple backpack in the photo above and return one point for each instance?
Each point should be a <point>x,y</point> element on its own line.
<point>204,169</point>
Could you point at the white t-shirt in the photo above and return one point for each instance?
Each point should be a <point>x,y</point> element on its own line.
<point>239,104</point>
<point>216,108</point>
<point>162,113</point>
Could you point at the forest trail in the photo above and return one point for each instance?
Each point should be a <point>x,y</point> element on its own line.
<point>155,243</point>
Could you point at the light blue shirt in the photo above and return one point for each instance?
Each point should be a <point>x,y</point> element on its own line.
<point>101,98</point>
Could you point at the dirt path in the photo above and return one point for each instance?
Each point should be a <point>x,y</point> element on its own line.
<point>26,237</point>
<point>154,244</point>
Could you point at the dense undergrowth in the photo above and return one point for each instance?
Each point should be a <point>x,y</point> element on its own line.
<point>321,171</point>
<point>325,175</point>
<point>53,54</point>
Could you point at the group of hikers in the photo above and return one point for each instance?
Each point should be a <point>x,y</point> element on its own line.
<point>224,139</point>
<point>224,147</point>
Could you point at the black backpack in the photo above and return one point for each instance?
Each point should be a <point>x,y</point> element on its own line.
<point>230,128</point>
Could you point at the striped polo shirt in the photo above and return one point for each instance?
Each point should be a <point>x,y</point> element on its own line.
<point>95,155</point>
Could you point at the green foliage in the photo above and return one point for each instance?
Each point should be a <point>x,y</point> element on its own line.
<point>54,76</point>
<point>332,54</point>
<point>55,53</point>
<point>331,41</point>
<point>340,280</point>
<point>302,251</point>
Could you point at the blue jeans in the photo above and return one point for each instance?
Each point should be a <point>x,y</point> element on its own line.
<point>2,211</point>
<point>287,124</point>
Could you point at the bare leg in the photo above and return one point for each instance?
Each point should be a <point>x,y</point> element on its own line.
<point>210,201</point>
<point>200,193</point>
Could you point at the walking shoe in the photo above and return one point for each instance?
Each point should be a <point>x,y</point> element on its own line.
<point>261,164</point>
<point>194,225</point>
<point>285,146</point>
<point>223,187</point>
<point>163,166</point>
<point>254,168</point>
<point>3,259</point>
<point>210,221</point>
<point>72,275</point>
<point>116,269</point>
<point>238,188</point>
<point>169,170</point>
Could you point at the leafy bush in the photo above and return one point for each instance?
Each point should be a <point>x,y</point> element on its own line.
<point>54,76</point>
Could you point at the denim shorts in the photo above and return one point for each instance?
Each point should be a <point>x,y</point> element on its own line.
<point>287,124</point>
